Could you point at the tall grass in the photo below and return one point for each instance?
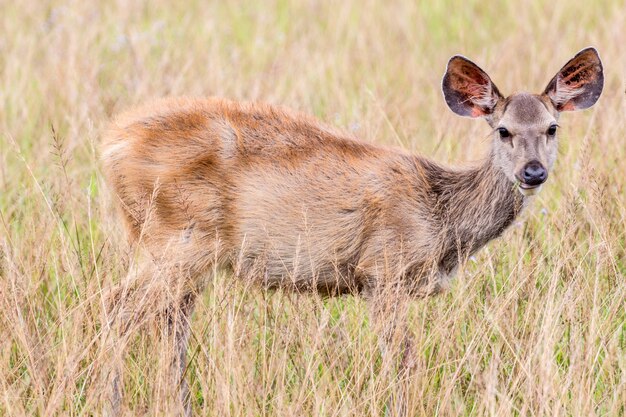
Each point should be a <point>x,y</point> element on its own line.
<point>534,325</point>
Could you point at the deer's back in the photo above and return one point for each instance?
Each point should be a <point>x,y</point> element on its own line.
<point>275,192</point>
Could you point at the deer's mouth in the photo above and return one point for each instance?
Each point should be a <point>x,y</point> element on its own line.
<point>527,189</point>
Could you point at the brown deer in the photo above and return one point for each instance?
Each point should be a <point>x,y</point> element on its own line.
<point>283,200</point>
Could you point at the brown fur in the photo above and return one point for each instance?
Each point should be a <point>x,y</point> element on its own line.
<point>286,201</point>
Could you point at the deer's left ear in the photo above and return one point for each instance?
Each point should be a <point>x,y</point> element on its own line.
<point>578,84</point>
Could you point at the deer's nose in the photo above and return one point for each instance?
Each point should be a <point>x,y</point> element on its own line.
<point>534,173</point>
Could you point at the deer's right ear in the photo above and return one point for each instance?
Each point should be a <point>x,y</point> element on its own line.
<point>468,90</point>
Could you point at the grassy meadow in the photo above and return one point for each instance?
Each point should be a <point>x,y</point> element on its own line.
<point>535,323</point>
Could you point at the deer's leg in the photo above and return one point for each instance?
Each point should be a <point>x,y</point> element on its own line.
<point>122,316</point>
<point>179,322</point>
<point>389,308</point>
<point>113,398</point>
<point>156,291</point>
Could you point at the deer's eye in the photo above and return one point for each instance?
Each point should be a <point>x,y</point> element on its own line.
<point>552,130</point>
<point>504,133</point>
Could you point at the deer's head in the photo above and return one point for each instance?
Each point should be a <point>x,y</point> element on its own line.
<point>525,125</point>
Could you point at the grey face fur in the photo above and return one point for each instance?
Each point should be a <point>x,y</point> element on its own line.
<point>525,125</point>
<point>531,138</point>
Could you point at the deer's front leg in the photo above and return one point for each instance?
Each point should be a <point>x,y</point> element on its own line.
<point>389,312</point>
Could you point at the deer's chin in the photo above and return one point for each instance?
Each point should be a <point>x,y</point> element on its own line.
<point>529,191</point>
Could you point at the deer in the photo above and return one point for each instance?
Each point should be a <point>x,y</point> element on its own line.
<point>279,199</point>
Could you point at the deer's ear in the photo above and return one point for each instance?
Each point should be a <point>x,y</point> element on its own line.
<point>578,84</point>
<point>468,90</point>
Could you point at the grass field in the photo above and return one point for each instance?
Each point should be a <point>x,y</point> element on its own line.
<point>535,324</point>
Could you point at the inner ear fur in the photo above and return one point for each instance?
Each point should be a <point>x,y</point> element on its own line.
<point>578,84</point>
<point>468,90</point>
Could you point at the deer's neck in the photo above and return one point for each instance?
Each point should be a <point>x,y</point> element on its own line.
<point>474,206</point>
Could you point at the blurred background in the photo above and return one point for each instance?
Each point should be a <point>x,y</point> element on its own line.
<point>535,325</point>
